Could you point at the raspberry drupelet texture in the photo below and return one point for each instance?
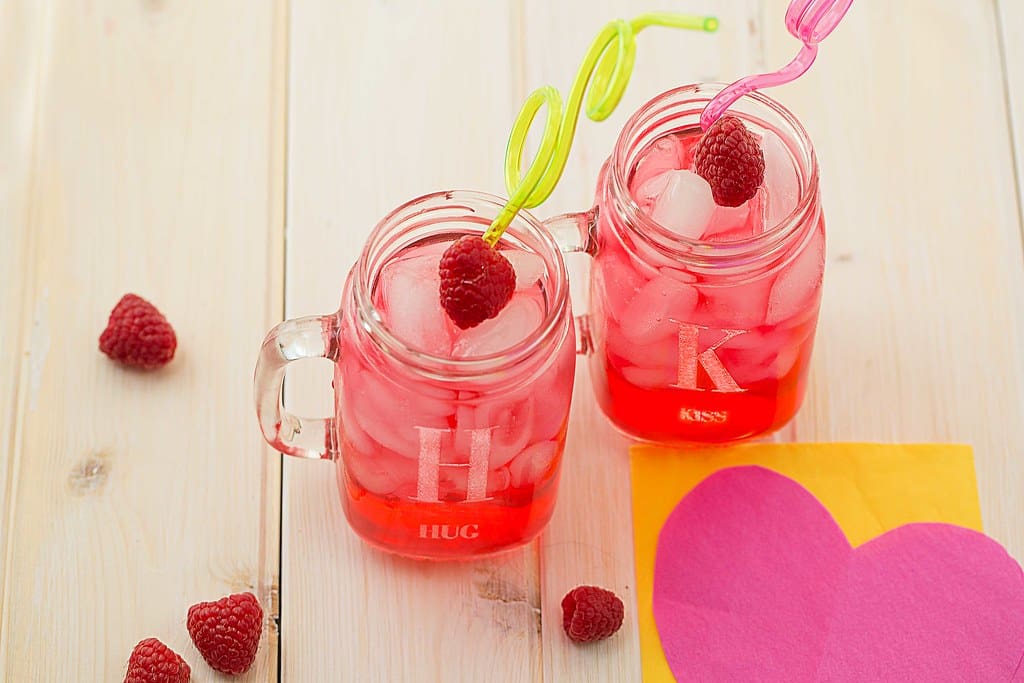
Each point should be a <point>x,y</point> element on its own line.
<point>730,158</point>
<point>138,335</point>
<point>227,632</point>
<point>153,662</point>
<point>476,281</point>
<point>590,613</point>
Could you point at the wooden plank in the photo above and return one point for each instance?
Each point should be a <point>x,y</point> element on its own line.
<point>922,321</point>
<point>590,540</point>
<point>389,101</point>
<point>1010,16</point>
<point>156,151</point>
<point>21,43</point>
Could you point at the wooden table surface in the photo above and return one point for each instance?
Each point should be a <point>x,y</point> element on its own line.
<point>227,159</point>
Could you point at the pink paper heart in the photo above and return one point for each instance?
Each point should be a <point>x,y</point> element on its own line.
<point>754,581</point>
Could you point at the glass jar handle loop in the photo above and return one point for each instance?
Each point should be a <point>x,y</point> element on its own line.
<point>312,337</point>
<point>575,233</point>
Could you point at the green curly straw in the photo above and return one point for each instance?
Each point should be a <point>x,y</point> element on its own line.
<point>610,71</point>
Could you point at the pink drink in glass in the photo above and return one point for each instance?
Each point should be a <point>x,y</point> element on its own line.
<point>447,442</point>
<point>433,468</point>
<point>703,316</point>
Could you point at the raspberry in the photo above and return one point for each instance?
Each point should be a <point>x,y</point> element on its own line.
<point>138,335</point>
<point>153,662</point>
<point>227,632</point>
<point>729,157</point>
<point>590,613</point>
<point>476,281</point>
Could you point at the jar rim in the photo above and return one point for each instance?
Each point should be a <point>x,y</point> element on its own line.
<point>695,251</point>
<point>462,207</point>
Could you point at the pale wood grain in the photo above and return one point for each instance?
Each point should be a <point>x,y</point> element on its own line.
<point>922,322</point>
<point>21,44</point>
<point>389,100</point>
<point>144,147</point>
<point>1010,16</point>
<point>154,147</point>
<point>590,539</point>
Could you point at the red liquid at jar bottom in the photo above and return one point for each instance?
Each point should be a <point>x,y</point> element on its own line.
<point>672,415</point>
<point>455,529</point>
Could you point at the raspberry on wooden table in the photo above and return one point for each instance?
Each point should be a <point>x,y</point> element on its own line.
<point>477,281</point>
<point>730,158</point>
<point>590,613</point>
<point>138,335</point>
<point>227,632</point>
<point>153,662</point>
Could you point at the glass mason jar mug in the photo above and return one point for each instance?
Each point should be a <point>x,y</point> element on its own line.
<point>447,442</point>
<point>702,331</point>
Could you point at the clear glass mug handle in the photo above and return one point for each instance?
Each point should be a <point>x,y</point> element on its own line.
<point>312,337</point>
<point>575,233</point>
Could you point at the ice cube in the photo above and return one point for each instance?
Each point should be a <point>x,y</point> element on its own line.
<point>453,482</point>
<point>780,178</point>
<point>799,281</point>
<point>657,309</point>
<point>685,205</point>
<point>787,359</point>
<point>534,462</point>
<point>392,415</point>
<point>646,193</point>
<point>644,255</point>
<point>758,204</point>
<point>749,357</point>
<point>465,423</point>
<point>508,424</point>
<point>410,304</point>
<point>551,410</point>
<point>666,154</point>
<point>552,394</point>
<point>498,480</point>
<point>621,281</point>
<point>759,356</point>
<point>735,306</point>
<point>523,314</point>
<point>728,223</point>
<point>731,223</point>
<point>662,352</point>
<point>416,399</point>
<point>381,472</point>
<point>651,378</point>
<point>529,267</point>
<point>678,274</point>
<point>512,429</point>
<point>352,434</point>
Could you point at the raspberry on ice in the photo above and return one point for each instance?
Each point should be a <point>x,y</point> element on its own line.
<point>476,281</point>
<point>729,157</point>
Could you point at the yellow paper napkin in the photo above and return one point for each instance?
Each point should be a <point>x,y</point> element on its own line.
<point>868,488</point>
